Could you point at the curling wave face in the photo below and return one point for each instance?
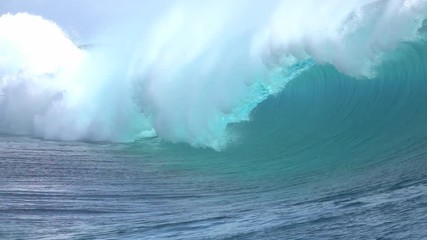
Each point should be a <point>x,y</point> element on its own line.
<point>191,73</point>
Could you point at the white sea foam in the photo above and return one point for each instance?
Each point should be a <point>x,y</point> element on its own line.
<point>189,72</point>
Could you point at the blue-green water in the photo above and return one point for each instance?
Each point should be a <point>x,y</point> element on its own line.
<point>56,190</point>
<point>329,158</point>
<point>263,125</point>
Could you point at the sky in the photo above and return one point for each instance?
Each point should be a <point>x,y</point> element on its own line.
<point>83,18</point>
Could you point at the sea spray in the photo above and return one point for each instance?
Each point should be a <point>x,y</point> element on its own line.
<point>188,73</point>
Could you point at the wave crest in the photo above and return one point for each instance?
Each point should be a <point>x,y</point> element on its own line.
<point>189,74</point>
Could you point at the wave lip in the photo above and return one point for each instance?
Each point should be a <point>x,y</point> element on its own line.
<point>179,80</point>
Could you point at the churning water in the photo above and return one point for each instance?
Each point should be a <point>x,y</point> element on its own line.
<point>218,120</point>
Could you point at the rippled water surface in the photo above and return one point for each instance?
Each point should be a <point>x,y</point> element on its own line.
<point>59,190</point>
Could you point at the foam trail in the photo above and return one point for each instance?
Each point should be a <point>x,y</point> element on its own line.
<point>191,70</point>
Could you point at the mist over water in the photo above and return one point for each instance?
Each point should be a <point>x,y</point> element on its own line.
<point>187,72</point>
<point>213,120</point>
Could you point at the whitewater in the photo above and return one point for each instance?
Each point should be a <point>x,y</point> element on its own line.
<point>217,120</point>
<point>176,78</point>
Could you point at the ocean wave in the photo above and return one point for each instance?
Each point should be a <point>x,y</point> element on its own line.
<point>194,72</point>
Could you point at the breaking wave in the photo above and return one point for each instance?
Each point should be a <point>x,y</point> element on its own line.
<point>329,69</point>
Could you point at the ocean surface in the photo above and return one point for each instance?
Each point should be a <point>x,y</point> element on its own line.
<point>264,125</point>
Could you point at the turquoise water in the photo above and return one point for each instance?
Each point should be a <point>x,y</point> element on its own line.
<point>260,129</point>
<point>329,157</point>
